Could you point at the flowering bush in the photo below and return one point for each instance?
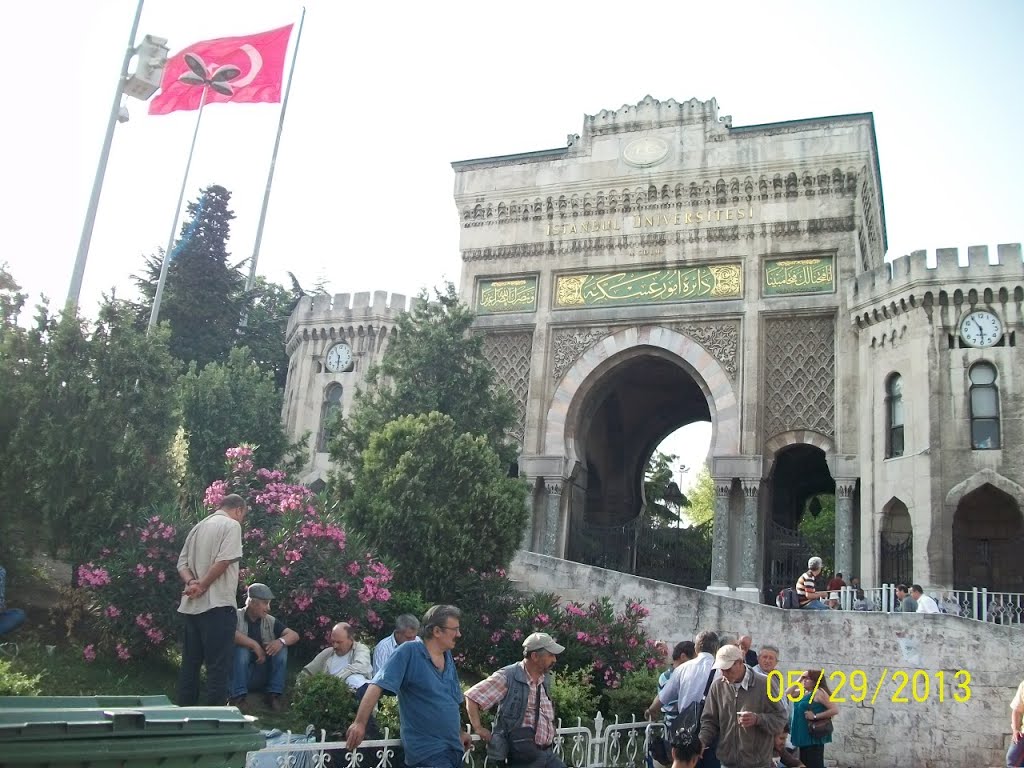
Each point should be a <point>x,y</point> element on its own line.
<point>318,572</point>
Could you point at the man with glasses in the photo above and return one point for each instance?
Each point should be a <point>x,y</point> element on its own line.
<point>423,677</point>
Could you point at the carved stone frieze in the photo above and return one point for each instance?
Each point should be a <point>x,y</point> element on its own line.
<point>567,344</point>
<point>721,338</point>
<point>510,354</point>
<point>800,374</point>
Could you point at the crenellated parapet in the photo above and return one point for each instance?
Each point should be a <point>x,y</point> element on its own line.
<point>364,319</point>
<point>908,282</point>
<point>652,113</point>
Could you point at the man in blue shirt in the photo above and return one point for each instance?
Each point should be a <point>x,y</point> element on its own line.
<point>429,696</point>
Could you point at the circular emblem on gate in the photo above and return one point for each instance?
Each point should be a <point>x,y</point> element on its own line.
<point>649,150</point>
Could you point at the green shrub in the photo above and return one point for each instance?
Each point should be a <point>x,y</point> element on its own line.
<point>16,683</point>
<point>387,716</point>
<point>326,702</point>
<point>632,697</point>
<point>574,698</point>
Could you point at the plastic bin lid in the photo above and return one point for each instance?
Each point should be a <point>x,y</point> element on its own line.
<point>82,702</point>
<point>49,724</point>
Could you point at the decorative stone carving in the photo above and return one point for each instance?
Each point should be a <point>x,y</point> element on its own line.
<point>721,339</point>
<point>509,354</point>
<point>567,344</point>
<point>800,373</point>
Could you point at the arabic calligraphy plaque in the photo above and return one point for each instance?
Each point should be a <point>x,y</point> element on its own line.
<point>518,295</point>
<point>783,277</point>
<point>656,286</point>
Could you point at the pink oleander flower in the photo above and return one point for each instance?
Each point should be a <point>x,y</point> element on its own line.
<point>122,653</point>
<point>89,653</point>
<point>323,621</point>
<point>215,494</point>
<point>155,635</point>
<point>353,568</point>
<point>112,612</point>
<point>541,620</point>
<point>517,635</point>
<point>303,602</point>
<point>496,636</point>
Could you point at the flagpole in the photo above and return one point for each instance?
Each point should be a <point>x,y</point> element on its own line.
<point>155,312</point>
<point>273,162</point>
<point>78,272</point>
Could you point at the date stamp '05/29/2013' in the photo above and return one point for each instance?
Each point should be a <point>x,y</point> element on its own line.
<point>906,686</point>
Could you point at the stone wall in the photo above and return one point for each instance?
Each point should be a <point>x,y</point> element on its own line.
<point>926,734</point>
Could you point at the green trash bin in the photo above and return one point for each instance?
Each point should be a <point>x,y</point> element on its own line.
<point>83,702</point>
<point>160,736</point>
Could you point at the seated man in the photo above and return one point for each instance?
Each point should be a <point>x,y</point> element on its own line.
<point>10,618</point>
<point>807,587</point>
<point>345,659</point>
<point>261,650</point>
<point>407,629</point>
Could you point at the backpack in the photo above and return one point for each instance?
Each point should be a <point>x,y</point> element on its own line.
<point>788,598</point>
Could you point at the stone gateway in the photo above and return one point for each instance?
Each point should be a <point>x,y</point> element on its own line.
<point>667,267</point>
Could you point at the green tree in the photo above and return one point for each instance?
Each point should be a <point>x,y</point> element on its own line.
<point>438,500</point>
<point>269,307</point>
<point>702,498</point>
<point>228,404</point>
<point>434,364</point>
<point>89,442</point>
<point>665,501</point>
<point>819,530</point>
<point>203,295</point>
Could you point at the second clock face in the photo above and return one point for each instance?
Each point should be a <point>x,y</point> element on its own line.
<point>981,329</point>
<point>339,357</point>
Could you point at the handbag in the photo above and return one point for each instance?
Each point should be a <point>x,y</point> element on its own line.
<point>821,727</point>
<point>688,718</point>
<point>522,744</point>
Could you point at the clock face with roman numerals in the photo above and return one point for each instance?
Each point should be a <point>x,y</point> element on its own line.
<point>981,328</point>
<point>339,357</point>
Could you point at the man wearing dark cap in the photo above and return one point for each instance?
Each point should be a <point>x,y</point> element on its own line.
<point>261,651</point>
<point>524,725</point>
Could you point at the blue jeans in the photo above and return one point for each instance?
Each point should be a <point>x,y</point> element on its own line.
<point>11,619</point>
<point>816,605</point>
<point>247,675</point>
<point>1015,754</point>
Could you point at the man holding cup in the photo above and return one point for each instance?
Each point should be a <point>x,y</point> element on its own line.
<point>740,714</point>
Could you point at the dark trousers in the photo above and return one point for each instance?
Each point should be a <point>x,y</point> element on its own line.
<point>710,757</point>
<point>813,756</point>
<point>209,640</point>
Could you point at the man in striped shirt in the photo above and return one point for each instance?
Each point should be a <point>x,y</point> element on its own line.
<point>806,587</point>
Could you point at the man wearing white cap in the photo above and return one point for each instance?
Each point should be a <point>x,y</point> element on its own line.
<point>524,725</point>
<point>740,715</point>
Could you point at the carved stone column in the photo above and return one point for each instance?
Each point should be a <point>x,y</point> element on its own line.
<point>531,499</point>
<point>720,539</point>
<point>553,486</point>
<point>750,535</point>
<point>844,526</point>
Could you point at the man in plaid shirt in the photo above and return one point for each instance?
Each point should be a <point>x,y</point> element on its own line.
<point>521,691</point>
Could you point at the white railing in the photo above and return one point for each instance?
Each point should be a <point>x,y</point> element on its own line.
<point>978,604</point>
<point>615,745</point>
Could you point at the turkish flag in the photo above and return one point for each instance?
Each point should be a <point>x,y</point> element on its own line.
<point>249,68</point>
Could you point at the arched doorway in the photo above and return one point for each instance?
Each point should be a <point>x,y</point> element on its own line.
<point>639,400</point>
<point>799,473</point>
<point>896,544</point>
<point>988,538</point>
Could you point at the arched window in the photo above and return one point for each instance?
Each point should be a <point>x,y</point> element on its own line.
<point>984,407</point>
<point>331,406</point>
<point>894,416</point>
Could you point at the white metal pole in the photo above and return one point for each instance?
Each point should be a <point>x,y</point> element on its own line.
<point>155,312</point>
<point>77,274</point>
<point>273,162</point>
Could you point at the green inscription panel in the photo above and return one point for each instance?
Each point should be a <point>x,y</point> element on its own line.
<point>783,277</point>
<point>518,295</point>
<point>722,281</point>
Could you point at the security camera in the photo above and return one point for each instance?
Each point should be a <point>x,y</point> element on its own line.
<point>122,114</point>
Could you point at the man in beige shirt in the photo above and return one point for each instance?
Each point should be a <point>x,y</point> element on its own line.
<point>208,565</point>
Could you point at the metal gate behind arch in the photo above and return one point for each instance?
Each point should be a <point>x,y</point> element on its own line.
<point>896,559</point>
<point>785,562</point>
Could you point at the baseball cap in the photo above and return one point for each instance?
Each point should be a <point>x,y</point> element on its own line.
<point>259,592</point>
<point>542,641</point>
<point>727,656</point>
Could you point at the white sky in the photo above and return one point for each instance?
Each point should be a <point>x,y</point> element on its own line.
<point>386,96</point>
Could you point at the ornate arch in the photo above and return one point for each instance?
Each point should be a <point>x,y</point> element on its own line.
<point>977,480</point>
<point>701,365</point>
<point>794,437</point>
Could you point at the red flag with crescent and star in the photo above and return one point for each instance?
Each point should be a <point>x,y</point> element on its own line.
<point>239,69</point>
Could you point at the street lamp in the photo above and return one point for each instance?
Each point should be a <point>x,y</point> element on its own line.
<point>141,84</point>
